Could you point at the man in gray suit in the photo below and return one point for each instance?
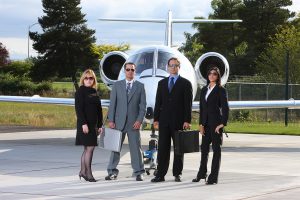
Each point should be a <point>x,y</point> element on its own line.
<point>126,113</point>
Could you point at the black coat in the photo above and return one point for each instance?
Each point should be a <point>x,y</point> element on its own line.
<point>88,111</point>
<point>215,110</point>
<point>175,108</point>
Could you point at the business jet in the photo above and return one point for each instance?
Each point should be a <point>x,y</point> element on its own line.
<point>151,62</point>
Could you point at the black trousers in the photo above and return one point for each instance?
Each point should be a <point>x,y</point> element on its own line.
<point>163,157</point>
<point>216,139</point>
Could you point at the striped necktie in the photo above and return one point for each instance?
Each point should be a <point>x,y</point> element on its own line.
<point>128,88</point>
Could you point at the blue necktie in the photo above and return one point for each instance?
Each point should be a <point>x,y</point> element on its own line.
<point>171,84</point>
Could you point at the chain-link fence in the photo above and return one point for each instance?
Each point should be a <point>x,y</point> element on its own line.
<point>238,91</point>
<point>246,91</point>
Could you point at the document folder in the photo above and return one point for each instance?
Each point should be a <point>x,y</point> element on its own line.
<point>111,140</point>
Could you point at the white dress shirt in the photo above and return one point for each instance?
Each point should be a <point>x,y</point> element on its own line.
<point>209,91</point>
<point>131,82</point>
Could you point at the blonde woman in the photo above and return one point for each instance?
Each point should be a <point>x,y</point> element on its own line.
<point>89,121</point>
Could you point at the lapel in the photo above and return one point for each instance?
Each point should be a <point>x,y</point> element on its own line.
<point>175,85</point>
<point>212,92</point>
<point>204,94</point>
<point>166,85</point>
<point>132,91</point>
<point>123,89</point>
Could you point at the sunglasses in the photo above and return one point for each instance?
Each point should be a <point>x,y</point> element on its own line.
<point>213,73</point>
<point>133,70</point>
<point>174,65</point>
<point>89,78</point>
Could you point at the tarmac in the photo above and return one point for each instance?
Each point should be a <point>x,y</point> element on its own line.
<point>44,164</point>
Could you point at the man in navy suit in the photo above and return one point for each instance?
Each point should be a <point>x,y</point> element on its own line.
<point>172,112</point>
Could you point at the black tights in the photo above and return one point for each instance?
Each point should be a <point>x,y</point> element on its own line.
<point>86,161</point>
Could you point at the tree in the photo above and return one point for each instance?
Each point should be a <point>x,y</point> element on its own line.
<point>271,63</point>
<point>260,21</point>
<point>240,43</point>
<point>65,44</point>
<point>4,56</point>
<point>222,38</point>
<point>101,50</point>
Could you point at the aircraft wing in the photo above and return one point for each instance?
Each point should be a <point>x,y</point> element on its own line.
<point>235,105</point>
<point>45,100</point>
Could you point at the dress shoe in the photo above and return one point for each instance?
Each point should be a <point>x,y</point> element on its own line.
<point>139,177</point>
<point>178,178</point>
<point>211,182</point>
<point>157,179</point>
<point>198,178</point>
<point>111,177</point>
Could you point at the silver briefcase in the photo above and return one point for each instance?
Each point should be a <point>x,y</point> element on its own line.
<point>111,139</point>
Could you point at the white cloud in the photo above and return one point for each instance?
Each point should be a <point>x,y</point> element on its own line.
<point>17,15</point>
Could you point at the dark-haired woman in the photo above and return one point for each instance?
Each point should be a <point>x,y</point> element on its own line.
<point>213,117</point>
<point>89,121</point>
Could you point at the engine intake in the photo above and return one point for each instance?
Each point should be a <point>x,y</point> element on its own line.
<point>111,65</point>
<point>205,61</point>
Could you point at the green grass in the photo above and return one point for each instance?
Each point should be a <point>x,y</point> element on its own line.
<point>38,115</point>
<point>63,86</point>
<point>276,128</point>
<point>66,89</point>
<point>57,116</point>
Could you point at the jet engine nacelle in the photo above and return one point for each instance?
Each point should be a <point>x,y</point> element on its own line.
<point>205,61</point>
<point>111,65</point>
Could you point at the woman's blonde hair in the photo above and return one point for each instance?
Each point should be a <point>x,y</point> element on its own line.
<point>91,73</point>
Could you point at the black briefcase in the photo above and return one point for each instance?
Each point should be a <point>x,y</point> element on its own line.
<point>186,142</point>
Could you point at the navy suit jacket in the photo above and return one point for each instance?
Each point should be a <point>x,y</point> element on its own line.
<point>175,108</point>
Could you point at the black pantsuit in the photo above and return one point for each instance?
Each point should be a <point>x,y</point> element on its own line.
<point>213,112</point>
<point>172,109</point>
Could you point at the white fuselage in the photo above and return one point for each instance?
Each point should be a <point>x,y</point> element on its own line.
<point>152,66</point>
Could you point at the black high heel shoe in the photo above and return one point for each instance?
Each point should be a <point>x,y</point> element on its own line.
<point>197,179</point>
<point>91,179</point>
<point>83,176</point>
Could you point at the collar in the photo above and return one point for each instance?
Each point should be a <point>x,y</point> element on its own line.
<point>131,82</point>
<point>208,88</point>
<point>174,76</point>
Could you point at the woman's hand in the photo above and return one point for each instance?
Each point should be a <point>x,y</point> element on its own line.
<point>201,130</point>
<point>100,131</point>
<point>218,128</point>
<point>111,125</point>
<point>85,128</point>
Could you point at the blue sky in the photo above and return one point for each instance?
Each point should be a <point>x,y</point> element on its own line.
<point>17,15</point>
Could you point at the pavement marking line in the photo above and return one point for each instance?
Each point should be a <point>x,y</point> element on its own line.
<point>269,193</point>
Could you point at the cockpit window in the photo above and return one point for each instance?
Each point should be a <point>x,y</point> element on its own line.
<point>162,61</point>
<point>143,61</point>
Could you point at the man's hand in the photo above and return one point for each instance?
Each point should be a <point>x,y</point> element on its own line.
<point>202,130</point>
<point>137,125</point>
<point>85,129</point>
<point>186,125</point>
<point>111,125</point>
<point>218,128</point>
<point>155,125</point>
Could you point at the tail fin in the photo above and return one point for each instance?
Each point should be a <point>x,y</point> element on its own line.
<point>169,21</point>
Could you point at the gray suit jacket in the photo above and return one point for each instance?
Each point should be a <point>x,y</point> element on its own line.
<point>124,110</point>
